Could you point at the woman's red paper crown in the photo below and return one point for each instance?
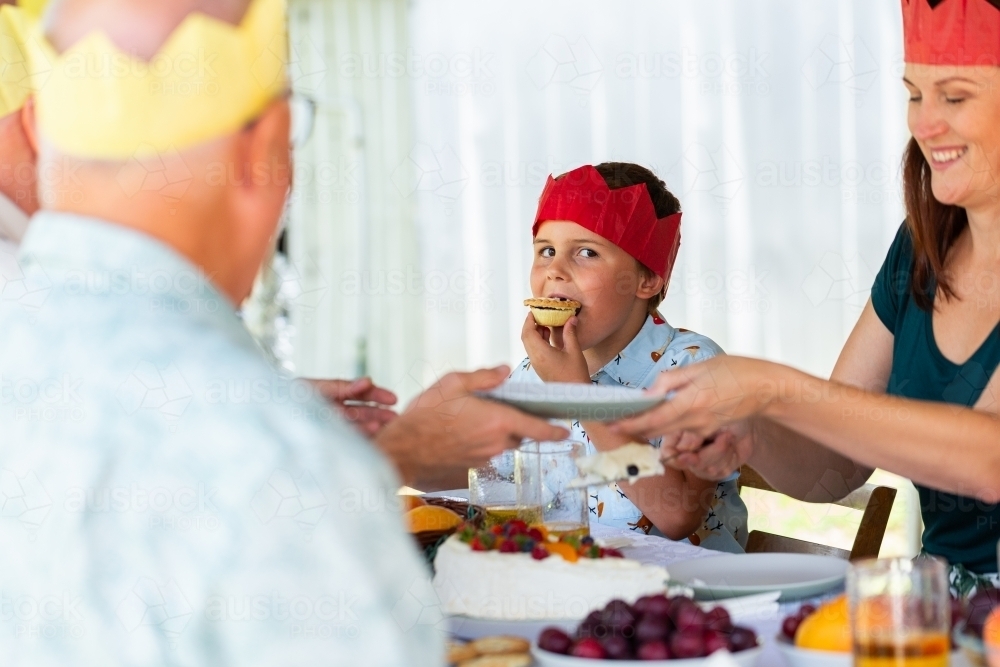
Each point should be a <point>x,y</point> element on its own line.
<point>952,32</point>
<point>624,216</point>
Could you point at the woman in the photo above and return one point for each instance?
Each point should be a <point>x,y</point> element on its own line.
<point>915,390</point>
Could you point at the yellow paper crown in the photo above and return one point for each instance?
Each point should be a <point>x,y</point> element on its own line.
<point>208,80</point>
<point>33,8</point>
<point>20,56</point>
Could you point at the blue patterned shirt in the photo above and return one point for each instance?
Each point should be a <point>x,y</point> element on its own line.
<point>167,497</point>
<point>656,348</point>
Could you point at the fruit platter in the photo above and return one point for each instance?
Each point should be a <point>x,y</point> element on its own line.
<point>655,630</point>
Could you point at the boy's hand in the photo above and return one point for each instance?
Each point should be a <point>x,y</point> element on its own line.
<point>555,354</point>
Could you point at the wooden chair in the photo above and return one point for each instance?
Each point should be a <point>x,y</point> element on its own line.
<point>874,501</point>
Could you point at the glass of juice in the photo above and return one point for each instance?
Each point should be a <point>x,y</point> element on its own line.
<point>507,488</point>
<point>900,612</point>
<point>564,510</point>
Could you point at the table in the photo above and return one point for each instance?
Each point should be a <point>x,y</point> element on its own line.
<point>661,551</point>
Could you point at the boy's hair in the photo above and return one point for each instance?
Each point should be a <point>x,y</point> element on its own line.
<point>625,174</point>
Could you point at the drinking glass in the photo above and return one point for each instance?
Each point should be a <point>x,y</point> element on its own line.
<point>900,612</point>
<point>507,488</point>
<point>564,510</point>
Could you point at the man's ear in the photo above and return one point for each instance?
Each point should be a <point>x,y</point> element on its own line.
<point>266,149</point>
<point>649,285</point>
<point>28,123</point>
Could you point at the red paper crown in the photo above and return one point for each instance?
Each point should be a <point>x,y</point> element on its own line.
<point>952,32</point>
<point>624,216</point>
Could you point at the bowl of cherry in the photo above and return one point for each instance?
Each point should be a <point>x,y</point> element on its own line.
<point>656,630</point>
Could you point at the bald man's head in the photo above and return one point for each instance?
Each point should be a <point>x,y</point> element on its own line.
<point>224,217</point>
<point>137,27</point>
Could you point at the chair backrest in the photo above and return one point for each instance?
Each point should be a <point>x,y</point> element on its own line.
<point>875,501</point>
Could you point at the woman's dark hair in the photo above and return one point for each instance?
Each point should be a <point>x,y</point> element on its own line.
<point>933,226</point>
<point>625,174</point>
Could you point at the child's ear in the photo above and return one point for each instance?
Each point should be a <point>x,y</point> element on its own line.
<point>649,285</point>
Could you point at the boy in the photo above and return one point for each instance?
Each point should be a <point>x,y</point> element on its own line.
<point>607,237</point>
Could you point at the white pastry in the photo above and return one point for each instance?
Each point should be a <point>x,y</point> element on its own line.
<point>632,461</point>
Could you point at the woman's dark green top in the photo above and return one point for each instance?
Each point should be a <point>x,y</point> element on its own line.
<point>960,529</point>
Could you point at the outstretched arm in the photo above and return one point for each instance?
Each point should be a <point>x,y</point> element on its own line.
<point>815,439</point>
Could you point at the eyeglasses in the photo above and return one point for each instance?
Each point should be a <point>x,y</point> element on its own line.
<point>303,116</point>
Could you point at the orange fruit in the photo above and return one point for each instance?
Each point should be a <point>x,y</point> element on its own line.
<point>431,517</point>
<point>562,549</point>
<point>409,502</point>
<point>826,629</point>
<point>991,638</point>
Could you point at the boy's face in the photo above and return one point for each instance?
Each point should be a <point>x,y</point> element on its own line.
<point>575,263</point>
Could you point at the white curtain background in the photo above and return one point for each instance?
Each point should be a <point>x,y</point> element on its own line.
<point>779,124</point>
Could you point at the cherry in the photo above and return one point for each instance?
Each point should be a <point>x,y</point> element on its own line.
<point>690,617</point>
<point>806,609</point>
<point>687,644</point>
<point>652,627</point>
<point>617,647</point>
<point>741,639</point>
<point>618,614</point>
<point>588,648</point>
<point>791,625</point>
<point>678,603</point>
<point>714,641</point>
<point>657,604</point>
<point>654,650</point>
<point>554,640</point>
<point>718,619</point>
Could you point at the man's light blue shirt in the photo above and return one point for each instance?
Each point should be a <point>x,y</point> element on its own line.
<point>167,497</point>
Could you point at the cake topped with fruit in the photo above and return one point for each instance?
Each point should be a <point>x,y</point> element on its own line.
<point>519,572</point>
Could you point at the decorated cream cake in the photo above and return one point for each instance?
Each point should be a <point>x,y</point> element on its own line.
<point>515,572</point>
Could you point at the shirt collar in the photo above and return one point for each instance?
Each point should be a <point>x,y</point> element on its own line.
<point>642,352</point>
<point>13,221</point>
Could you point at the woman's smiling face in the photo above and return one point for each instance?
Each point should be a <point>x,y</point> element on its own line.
<point>954,115</point>
<point>572,262</point>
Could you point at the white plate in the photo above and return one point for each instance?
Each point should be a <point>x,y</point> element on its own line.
<point>804,657</point>
<point>466,627</point>
<point>545,659</point>
<point>794,575</point>
<point>562,400</point>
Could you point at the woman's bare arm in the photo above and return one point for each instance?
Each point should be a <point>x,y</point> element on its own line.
<point>799,466</point>
<point>948,447</point>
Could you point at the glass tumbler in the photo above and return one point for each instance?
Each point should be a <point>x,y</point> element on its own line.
<point>507,488</point>
<point>563,510</point>
<point>900,612</point>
